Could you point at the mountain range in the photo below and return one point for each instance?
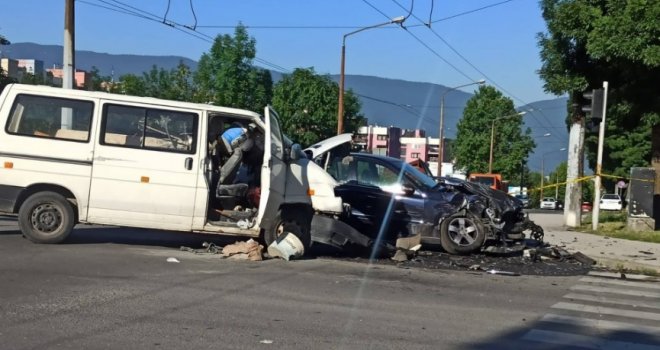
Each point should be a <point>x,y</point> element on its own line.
<point>385,102</point>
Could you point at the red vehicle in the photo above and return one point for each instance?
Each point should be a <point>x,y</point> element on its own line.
<point>493,180</point>
<point>586,206</point>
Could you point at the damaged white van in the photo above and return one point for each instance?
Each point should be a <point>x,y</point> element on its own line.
<point>71,156</point>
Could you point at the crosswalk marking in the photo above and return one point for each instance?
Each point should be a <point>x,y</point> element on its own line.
<point>629,276</point>
<point>583,341</point>
<point>601,312</point>
<point>621,282</point>
<point>601,324</point>
<point>608,311</point>
<point>598,289</point>
<point>616,301</point>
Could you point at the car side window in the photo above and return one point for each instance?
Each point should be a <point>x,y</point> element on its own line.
<point>51,117</point>
<point>375,174</point>
<point>156,129</point>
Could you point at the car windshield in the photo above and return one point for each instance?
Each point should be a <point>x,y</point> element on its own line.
<point>548,199</point>
<point>611,196</point>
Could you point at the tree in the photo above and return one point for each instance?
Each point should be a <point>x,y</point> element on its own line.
<point>131,84</point>
<point>226,76</point>
<point>592,41</point>
<point>307,104</point>
<point>175,84</point>
<point>472,145</point>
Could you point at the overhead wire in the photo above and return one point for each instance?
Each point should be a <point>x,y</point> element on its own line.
<point>134,11</point>
<point>479,70</point>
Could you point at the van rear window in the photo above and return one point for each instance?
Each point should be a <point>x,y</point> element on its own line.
<point>50,117</point>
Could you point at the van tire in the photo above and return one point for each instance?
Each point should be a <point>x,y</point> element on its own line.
<point>455,231</point>
<point>46,217</point>
<point>292,224</point>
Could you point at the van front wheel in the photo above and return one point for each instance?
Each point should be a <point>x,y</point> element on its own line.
<point>293,225</point>
<point>46,217</point>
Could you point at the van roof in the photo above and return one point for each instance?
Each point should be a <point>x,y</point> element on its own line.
<point>127,98</point>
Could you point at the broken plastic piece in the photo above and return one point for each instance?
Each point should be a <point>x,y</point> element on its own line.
<point>173,260</point>
<point>287,248</point>
<point>504,273</point>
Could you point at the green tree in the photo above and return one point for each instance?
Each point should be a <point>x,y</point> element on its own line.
<point>226,76</point>
<point>472,146</point>
<point>591,41</point>
<point>131,84</point>
<point>307,104</point>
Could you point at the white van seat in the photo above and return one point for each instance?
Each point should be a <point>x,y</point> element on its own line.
<point>71,134</point>
<point>115,139</point>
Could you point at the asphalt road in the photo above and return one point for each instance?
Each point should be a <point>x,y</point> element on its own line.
<point>109,288</point>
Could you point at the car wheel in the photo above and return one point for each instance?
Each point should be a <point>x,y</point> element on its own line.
<point>292,225</point>
<point>461,234</point>
<point>46,217</point>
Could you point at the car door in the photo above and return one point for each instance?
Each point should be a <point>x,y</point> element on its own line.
<point>273,170</point>
<point>145,167</point>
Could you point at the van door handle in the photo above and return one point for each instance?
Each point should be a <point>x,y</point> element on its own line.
<point>189,163</point>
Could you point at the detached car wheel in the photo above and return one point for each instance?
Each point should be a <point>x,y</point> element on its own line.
<point>461,234</point>
<point>46,217</point>
<point>291,225</point>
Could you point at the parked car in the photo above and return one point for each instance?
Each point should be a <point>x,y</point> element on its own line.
<point>387,198</point>
<point>524,199</point>
<point>586,206</point>
<point>548,203</point>
<point>611,201</point>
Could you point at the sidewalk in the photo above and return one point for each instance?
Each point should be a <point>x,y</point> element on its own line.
<point>608,252</point>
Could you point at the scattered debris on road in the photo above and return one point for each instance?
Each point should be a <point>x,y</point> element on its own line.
<point>287,247</point>
<point>173,260</point>
<point>249,250</point>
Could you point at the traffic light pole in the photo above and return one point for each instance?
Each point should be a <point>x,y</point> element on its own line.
<point>599,162</point>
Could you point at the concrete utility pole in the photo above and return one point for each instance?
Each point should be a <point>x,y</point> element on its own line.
<point>599,163</point>
<point>68,69</point>
<point>573,196</point>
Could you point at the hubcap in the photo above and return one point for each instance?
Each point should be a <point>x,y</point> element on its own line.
<point>46,218</point>
<point>463,231</point>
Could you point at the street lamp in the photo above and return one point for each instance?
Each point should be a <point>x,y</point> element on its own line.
<point>543,168</point>
<point>492,137</point>
<point>441,136</point>
<point>340,109</point>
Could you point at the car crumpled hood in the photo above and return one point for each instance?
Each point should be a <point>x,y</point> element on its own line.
<point>498,200</point>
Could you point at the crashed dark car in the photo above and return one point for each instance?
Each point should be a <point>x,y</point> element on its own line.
<point>386,199</point>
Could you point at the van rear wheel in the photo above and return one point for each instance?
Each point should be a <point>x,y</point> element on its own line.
<point>46,217</point>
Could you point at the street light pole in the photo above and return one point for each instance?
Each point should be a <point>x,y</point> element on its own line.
<point>441,134</point>
<point>492,137</point>
<point>340,108</point>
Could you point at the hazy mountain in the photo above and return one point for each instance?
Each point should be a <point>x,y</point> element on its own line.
<point>385,102</point>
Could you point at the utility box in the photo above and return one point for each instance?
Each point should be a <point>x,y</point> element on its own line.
<point>641,198</point>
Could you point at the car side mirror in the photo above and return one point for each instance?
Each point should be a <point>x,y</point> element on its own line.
<point>408,189</point>
<point>296,152</point>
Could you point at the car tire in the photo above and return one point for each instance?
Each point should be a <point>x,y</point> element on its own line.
<point>294,225</point>
<point>460,234</point>
<point>46,217</point>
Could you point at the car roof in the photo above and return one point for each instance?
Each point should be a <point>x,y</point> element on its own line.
<point>393,161</point>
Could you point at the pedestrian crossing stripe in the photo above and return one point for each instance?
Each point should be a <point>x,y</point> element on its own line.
<point>631,292</point>
<point>647,285</point>
<point>608,311</point>
<point>601,324</point>
<point>616,301</point>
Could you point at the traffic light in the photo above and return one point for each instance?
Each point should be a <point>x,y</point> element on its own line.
<point>595,109</point>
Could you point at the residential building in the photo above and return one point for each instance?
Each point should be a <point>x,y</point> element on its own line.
<point>82,78</point>
<point>31,66</point>
<point>9,67</point>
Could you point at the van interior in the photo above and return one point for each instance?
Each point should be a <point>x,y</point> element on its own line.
<point>234,170</point>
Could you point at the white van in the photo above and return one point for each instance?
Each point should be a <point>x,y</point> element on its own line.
<point>69,156</point>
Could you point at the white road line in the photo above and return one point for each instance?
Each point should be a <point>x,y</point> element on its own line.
<point>628,276</point>
<point>602,324</point>
<point>583,341</point>
<point>598,289</point>
<point>616,301</point>
<point>608,311</point>
<point>651,285</point>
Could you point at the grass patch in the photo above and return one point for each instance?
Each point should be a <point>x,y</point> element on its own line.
<point>614,225</point>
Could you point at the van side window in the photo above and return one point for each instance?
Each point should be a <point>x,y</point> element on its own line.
<point>50,117</point>
<point>157,129</point>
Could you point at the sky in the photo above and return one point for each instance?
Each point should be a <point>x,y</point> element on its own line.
<point>467,40</point>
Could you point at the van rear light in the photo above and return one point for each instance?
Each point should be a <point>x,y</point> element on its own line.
<point>9,165</point>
